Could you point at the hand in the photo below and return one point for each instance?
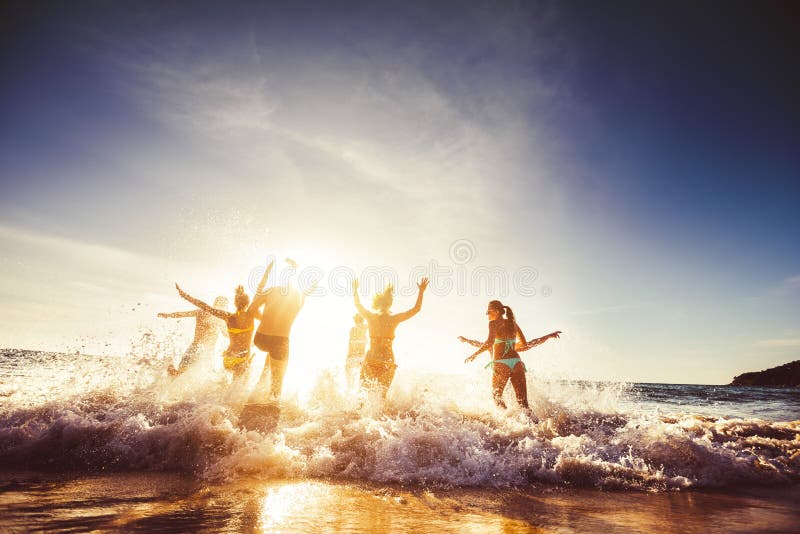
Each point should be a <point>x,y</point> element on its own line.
<point>355,285</point>
<point>162,315</point>
<point>181,292</point>
<point>423,285</point>
<point>470,358</point>
<point>556,334</point>
<point>462,339</point>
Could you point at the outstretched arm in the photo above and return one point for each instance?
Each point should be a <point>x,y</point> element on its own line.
<point>408,314</point>
<point>473,342</point>
<point>178,315</point>
<point>539,340</point>
<point>202,305</point>
<point>486,345</point>
<point>361,309</point>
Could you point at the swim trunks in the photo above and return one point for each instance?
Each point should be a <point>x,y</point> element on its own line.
<point>276,346</point>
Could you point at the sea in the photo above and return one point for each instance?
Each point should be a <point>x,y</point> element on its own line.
<point>112,443</point>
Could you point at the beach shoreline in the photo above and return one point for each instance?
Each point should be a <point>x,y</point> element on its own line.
<point>168,502</point>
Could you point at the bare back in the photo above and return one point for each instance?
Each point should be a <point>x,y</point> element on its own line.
<point>382,325</point>
<point>281,306</point>
<point>240,330</point>
<point>502,329</point>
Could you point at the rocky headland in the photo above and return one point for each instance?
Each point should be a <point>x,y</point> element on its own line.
<point>786,375</point>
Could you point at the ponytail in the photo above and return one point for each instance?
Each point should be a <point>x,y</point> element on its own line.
<point>502,309</point>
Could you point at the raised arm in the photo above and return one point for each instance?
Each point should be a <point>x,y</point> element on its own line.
<point>258,298</point>
<point>202,305</point>
<point>263,281</point>
<point>178,315</point>
<point>408,314</point>
<point>361,309</point>
<point>473,342</point>
<point>539,340</point>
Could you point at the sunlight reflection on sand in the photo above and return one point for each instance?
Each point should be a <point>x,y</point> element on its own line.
<point>159,502</point>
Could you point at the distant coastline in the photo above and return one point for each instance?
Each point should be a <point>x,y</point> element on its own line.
<point>786,375</point>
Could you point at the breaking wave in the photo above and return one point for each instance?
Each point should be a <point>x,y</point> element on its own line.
<point>68,412</point>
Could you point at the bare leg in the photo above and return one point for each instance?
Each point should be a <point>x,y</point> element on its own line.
<point>378,375</point>
<point>277,369</point>
<point>500,378</point>
<point>519,384</point>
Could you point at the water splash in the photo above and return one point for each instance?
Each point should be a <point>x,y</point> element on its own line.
<point>81,413</point>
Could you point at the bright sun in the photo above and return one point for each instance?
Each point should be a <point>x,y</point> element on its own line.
<point>320,333</point>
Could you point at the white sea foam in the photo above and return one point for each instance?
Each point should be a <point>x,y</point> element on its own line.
<point>124,414</point>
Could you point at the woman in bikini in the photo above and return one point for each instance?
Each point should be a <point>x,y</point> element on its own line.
<point>379,367</point>
<point>240,325</point>
<point>506,363</point>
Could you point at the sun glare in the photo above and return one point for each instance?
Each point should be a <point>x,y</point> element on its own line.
<point>320,332</point>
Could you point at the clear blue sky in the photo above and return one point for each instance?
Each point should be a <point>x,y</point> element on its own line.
<point>642,157</point>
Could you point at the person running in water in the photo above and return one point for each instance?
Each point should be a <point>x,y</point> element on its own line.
<point>506,363</point>
<point>281,306</point>
<point>356,349</point>
<point>206,332</point>
<point>379,367</point>
<point>240,325</point>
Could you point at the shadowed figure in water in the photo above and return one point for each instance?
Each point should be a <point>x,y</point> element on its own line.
<point>356,349</point>
<point>240,325</point>
<point>206,332</point>
<point>281,306</point>
<point>504,333</point>
<point>379,367</point>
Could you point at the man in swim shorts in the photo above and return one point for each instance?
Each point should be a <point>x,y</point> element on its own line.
<point>281,306</point>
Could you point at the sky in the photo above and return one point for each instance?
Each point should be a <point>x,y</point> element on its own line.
<point>626,172</point>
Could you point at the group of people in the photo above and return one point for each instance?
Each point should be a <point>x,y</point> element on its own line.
<point>276,309</point>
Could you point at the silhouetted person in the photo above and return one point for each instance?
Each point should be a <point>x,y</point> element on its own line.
<point>356,349</point>
<point>206,332</point>
<point>506,363</point>
<point>379,367</point>
<point>240,325</point>
<point>281,306</point>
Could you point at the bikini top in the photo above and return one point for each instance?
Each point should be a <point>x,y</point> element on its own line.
<point>232,330</point>
<point>239,330</point>
<point>509,343</point>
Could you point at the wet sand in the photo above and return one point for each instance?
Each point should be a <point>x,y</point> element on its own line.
<point>160,502</point>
